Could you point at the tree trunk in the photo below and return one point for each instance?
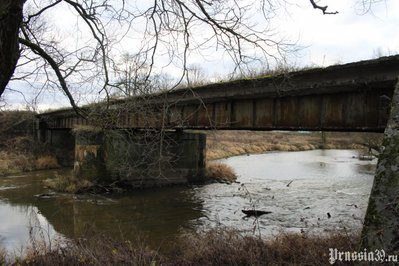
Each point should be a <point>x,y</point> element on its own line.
<point>381,225</point>
<point>10,20</point>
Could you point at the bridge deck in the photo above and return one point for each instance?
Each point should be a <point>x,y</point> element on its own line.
<point>350,97</point>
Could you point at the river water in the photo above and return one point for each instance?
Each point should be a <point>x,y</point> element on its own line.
<point>314,191</point>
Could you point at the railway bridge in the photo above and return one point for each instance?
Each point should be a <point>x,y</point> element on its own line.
<point>116,135</point>
<point>360,96</point>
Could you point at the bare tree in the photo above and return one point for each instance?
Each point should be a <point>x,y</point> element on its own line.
<point>196,75</point>
<point>167,32</point>
<point>132,77</point>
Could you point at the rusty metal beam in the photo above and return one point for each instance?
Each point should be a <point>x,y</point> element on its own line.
<point>351,97</point>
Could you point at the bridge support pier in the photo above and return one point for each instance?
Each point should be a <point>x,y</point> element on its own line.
<point>140,158</point>
<point>62,141</point>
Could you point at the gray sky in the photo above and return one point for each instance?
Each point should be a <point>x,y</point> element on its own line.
<point>346,37</point>
<point>324,40</point>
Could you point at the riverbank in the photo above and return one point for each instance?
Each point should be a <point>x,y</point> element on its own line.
<point>224,144</point>
<point>214,247</point>
<point>19,151</point>
<point>23,154</point>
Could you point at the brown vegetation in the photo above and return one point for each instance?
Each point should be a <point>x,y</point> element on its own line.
<point>223,144</point>
<point>69,184</point>
<point>23,154</point>
<point>220,172</point>
<point>224,247</point>
<point>20,152</point>
<point>93,250</point>
<point>215,247</point>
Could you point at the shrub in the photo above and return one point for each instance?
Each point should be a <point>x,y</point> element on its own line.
<point>219,172</point>
<point>69,184</point>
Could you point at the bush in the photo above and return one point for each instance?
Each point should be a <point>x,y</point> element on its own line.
<point>69,184</point>
<point>219,172</point>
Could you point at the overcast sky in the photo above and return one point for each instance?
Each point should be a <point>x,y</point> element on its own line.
<point>346,37</point>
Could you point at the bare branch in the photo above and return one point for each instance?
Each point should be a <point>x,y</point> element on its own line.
<point>322,8</point>
<point>41,11</point>
<point>37,49</point>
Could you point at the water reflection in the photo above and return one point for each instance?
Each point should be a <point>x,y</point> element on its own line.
<point>19,224</point>
<point>158,214</point>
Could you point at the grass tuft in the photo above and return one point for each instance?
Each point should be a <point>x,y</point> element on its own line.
<point>69,184</point>
<point>220,172</point>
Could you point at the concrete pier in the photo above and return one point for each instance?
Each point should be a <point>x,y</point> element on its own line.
<point>140,158</point>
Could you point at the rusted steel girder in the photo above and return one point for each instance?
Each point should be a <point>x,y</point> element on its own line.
<point>350,97</point>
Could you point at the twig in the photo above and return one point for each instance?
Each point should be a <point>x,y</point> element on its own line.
<point>322,8</point>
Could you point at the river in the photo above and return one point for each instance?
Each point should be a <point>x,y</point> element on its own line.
<point>309,191</point>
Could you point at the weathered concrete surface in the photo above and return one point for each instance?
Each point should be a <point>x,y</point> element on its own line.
<point>90,155</point>
<point>350,97</point>
<point>381,225</point>
<point>140,158</point>
<point>61,140</point>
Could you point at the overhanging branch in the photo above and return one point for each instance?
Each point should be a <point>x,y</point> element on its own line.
<point>38,50</point>
<point>322,8</point>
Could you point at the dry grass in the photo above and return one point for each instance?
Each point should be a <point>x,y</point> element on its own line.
<point>46,162</point>
<point>225,247</point>
<point>20,152</point>
<point>69,184</point>
<point>24,154</point>
<point>94,250</point>
<point>220,172</point>
<point>215,247</point>
<point>223,144</point>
